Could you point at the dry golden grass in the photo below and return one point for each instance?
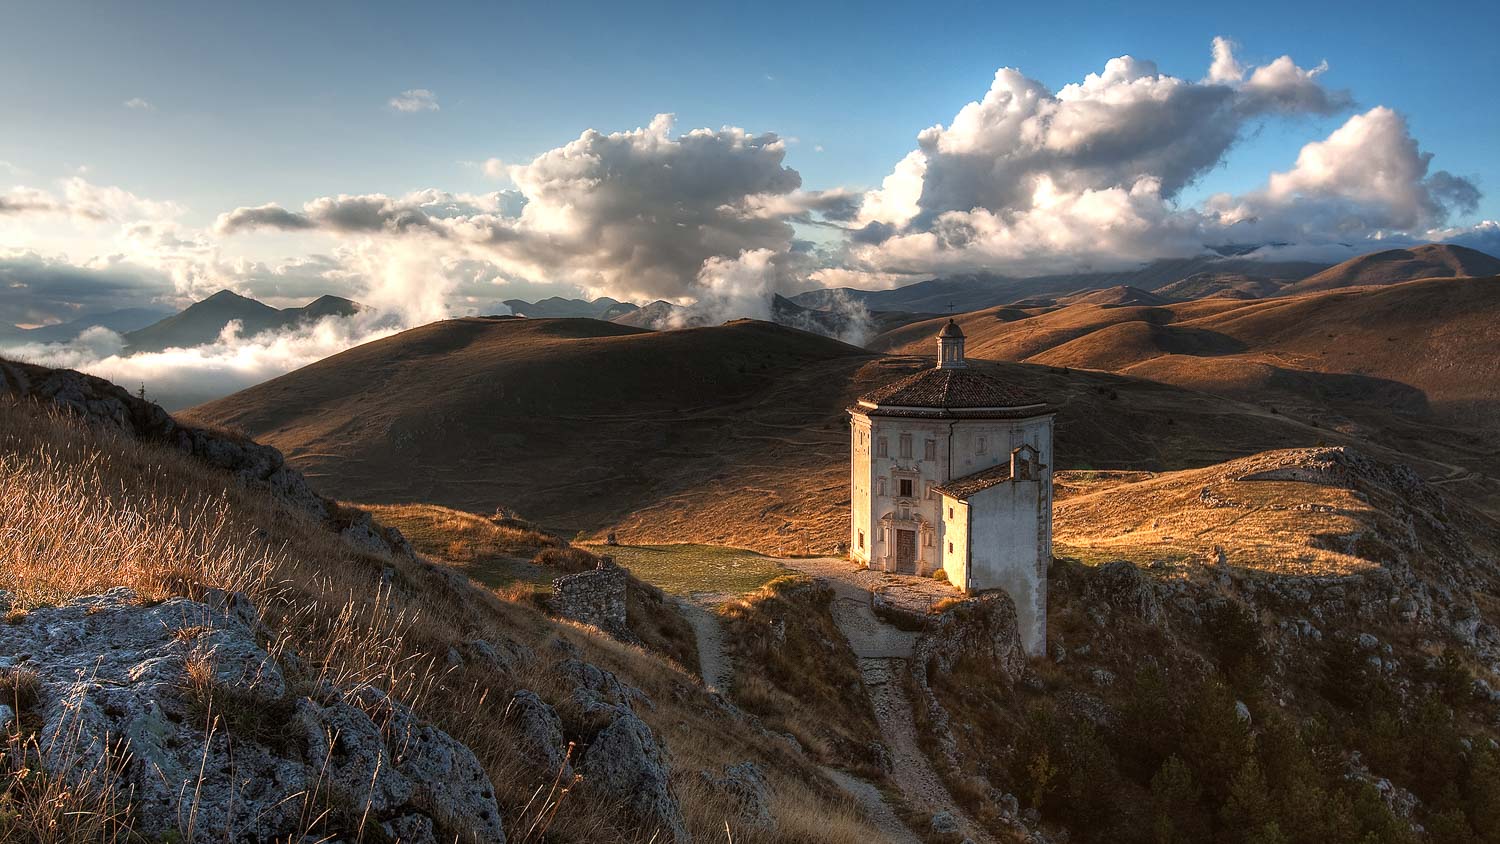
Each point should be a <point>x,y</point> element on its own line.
<point>794,669</point>
<point>458,537</point>
<point>1203,516</point>
<point>87,511</point>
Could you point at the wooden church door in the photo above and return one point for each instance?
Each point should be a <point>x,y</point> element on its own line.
<point>906,551</point>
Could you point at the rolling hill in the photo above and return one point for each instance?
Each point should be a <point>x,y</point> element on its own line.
<point>1408,365</point>
<point>957,294</point>
<point>1434,260</point>
<point>735,434</point>
<point>203,321</point>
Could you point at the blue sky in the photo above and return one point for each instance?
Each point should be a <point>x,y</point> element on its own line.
<point>255,103</point>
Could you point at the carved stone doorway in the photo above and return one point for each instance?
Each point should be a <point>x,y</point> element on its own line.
<point>906,552</point>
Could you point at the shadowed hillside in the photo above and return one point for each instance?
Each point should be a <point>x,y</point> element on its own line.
<point>202,322</point>
<point>735,434</point>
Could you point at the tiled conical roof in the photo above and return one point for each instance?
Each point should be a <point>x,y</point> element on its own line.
<point>949,388</point>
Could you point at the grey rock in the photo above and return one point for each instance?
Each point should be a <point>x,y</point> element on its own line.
<point>746,788</point>
<point>504,657</point>
<point>982,628</point>
<point>626,763</point>
<point>541,735</point>
<point>411,829</point>
<point>943,823</point>
<point>596,690</point>
<point>1121,586</point>
<point>114,672</point>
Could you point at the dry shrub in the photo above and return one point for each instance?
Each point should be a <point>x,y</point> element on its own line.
<point>568,560</point>
<point>458,536</point>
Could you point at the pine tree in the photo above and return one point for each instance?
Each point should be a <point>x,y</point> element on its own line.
<point>1176,805</point>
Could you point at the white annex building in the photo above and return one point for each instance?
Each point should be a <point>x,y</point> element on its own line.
<point>952,469</point>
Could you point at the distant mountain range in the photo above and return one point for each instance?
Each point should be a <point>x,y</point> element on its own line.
<point>120,322</point>
<point>1179,279</point>
<point>970,292</point>
<point>153,330</point>
<point>202,322</point>
<point>603,308</point>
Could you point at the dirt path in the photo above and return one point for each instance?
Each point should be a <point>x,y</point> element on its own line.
<point>714,662</point>
<point>876,809</point>
<point>883,652</point>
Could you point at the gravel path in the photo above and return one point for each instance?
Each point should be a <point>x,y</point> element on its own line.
<point>714,662</point>
<point>883,652</point>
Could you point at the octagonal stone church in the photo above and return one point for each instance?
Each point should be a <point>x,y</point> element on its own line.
<point>951,469</point>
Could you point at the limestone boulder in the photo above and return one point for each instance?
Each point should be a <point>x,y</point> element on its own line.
<point>219,742</point>
<point>540,729</point>
<point>1124,588</point>
<point>745,788</point>
<point>626,763</point>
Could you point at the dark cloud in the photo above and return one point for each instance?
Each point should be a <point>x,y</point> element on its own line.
<point>38,290</point>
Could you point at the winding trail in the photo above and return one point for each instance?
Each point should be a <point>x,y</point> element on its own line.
<point>883,652</point>
<point>714,662</point>
<point>876,809</point>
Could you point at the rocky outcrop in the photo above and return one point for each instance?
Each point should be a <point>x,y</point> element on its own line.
<point>980,629</point>
<point>624,761</point>
<point>596,598</point>
<point>220,742</point>
<point>101,403</point>
<point>745,788</point>
<point>1122,587</point>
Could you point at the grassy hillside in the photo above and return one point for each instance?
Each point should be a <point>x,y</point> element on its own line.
<point>1407,366</point>
<point>1433,260</point>
<point>734,435</point>
<point>1298,646</point>
<point>88,510</point>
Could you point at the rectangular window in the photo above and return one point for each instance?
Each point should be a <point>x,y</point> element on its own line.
<point>880,448</point>
<point>880,486</point>
<point>861,540</point>
<point>950,512</point>
<point>906,488</point>
<point>950,548</point>
<point>980,447</point>
<point>929,451</point>
<point>906,445</point>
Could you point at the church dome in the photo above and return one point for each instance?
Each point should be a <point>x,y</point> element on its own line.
<point>951,389</point>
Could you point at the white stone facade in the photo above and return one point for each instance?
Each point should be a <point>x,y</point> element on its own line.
<point>917,504</point>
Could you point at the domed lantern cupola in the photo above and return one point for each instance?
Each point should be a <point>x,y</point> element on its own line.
<point>951,347</point>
